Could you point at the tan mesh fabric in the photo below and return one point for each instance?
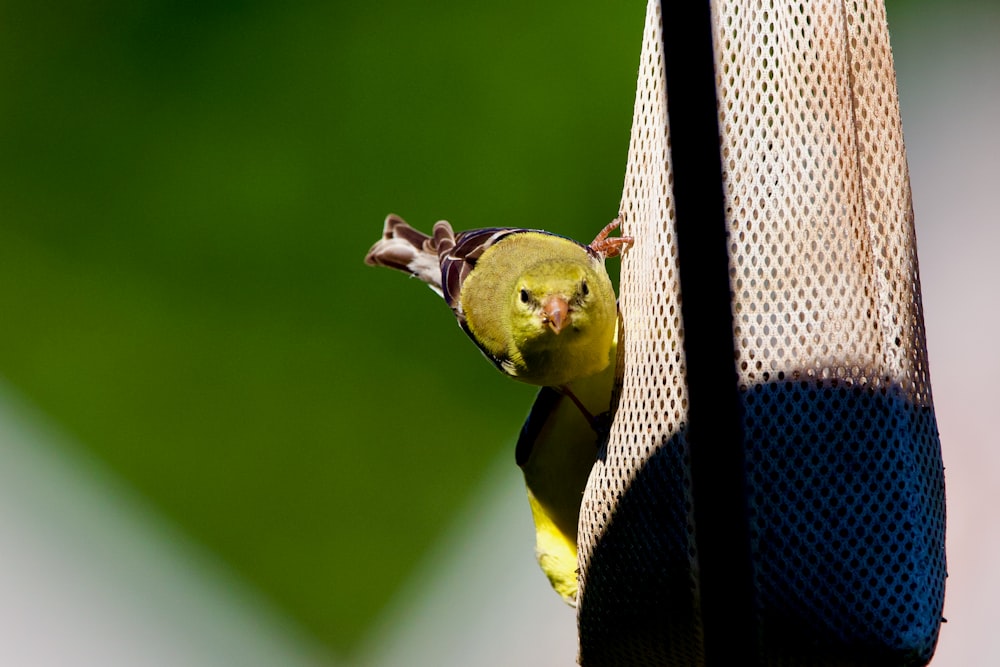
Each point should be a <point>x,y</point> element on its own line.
<point>821,224</point>
<point>845,504</point>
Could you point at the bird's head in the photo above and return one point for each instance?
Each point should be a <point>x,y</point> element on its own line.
<point>551,302</point>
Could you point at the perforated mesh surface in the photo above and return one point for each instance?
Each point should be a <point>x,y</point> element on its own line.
<point>843,468</point>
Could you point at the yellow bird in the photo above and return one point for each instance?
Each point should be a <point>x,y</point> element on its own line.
<point>542,308</point>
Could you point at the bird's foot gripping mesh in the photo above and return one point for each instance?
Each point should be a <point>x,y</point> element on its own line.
<point>842,501</point>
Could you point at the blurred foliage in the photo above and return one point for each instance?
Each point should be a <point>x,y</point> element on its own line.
<point>187,191</point>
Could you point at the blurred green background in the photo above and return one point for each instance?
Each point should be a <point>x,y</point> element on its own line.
<point>187,192</point>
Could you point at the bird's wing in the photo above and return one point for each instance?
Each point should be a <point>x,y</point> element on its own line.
<point>411,251</point>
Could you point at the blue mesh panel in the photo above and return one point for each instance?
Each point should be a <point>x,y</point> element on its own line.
<point>846,509</point>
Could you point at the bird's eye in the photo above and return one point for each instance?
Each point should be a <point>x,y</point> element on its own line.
<point>524,295</point>
<point>584,289</point>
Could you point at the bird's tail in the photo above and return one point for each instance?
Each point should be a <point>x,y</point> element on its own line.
<point>406,249</point>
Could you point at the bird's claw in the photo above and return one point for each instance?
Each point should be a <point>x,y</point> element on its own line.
<point>607,246</point>
<point>602,426</point>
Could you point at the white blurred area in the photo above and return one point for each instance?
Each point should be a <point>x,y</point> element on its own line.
<point>948,68</point>
<point>90,576</point>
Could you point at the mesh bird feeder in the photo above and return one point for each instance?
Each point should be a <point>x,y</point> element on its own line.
<point>772,489</point>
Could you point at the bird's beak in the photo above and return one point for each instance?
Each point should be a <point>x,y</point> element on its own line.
<point>555,311</point>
